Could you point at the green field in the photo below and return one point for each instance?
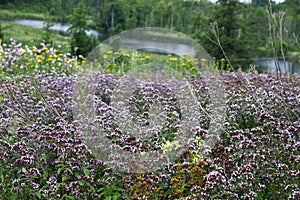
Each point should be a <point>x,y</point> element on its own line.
<point>9,14</point>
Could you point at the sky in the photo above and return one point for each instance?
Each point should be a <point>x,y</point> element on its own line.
<point>277,1</point>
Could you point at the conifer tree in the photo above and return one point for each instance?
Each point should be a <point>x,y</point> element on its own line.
<point>81,43</point>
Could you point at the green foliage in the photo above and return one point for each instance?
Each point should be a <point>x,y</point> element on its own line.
<point>48,33</point>
<point>2,29</point>
<point>81,43</point>
<point>229,30</point>
<point>243,26</point>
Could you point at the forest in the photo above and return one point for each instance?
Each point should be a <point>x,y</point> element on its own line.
<point>243,27</point>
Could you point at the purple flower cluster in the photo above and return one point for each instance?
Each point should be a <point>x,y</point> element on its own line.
<point>15,59</point>
<point>44,154</point>
<point>258,157</point>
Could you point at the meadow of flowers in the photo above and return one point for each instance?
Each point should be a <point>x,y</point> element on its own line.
<point>45,156</point>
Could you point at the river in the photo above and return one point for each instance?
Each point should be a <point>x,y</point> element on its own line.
<point>58,27</point>
<point>264,64</point>
<point>268,65</point>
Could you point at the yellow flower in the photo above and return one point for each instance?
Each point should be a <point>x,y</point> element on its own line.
<point>60,55</point>
<point>222,59</point>
<point>39,61</point>
<point>142,59</point>
<point>203,59</point>
<point>126,55</point>
<point>158,189</point>
<point>199,142</point>
<point>140,178</point>
<point>196,157</point>
<point>193,68</point>
<point>227,65</point>
<point>39,56</point>
<point>109,52</point>
<point>105,56</point>
<point>143,153</point>
<point>179,165</point>
<point>147,57</point>
<point>173,59</point>
<point>168,146</point>
<point>50,59</point>
<point>116,53</point>
<point>44,49</point>
<point>183,64</point>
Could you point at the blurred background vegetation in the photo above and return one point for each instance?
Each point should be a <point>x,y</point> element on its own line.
<point>243,27</point>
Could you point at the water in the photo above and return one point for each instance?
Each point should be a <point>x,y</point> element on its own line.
<point>268,65</point>
<point>159,47</point>
<point>58,27</point>
<point>264,64</point>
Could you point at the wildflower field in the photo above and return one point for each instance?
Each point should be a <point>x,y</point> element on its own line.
<point>45,156</point>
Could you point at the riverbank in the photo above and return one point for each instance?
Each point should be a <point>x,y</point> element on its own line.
<point>32,36</point>
<point>9,14</point>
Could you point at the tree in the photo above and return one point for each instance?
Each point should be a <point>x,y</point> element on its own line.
<point>81,43</point>
<point>1,32</point>
<point>258,3</point>
<point>48,32</point>
<point>228,16</point>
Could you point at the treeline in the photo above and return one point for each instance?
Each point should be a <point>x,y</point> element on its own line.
<point>243,28</point>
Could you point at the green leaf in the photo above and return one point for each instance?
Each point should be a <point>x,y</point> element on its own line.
<point>59,170</point>
<point>1,98</point>
<point>69,170</point>
<point>64,178</point>
<point>103,194</point>
<point>45,157</point>
<point>60,165</point>
<point>13,197</point>
<point>68,197</point>
<point>92,188</point>
<point>226,193</point>
<point>86,172</point>
<point>1,175</point>
<point>108,198</point>
<point>38,194</point>
<point>45,175</point>
<point>214,196</point>
<point>101,189</point>
<point>118,189</point>
<point>116,196</point>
